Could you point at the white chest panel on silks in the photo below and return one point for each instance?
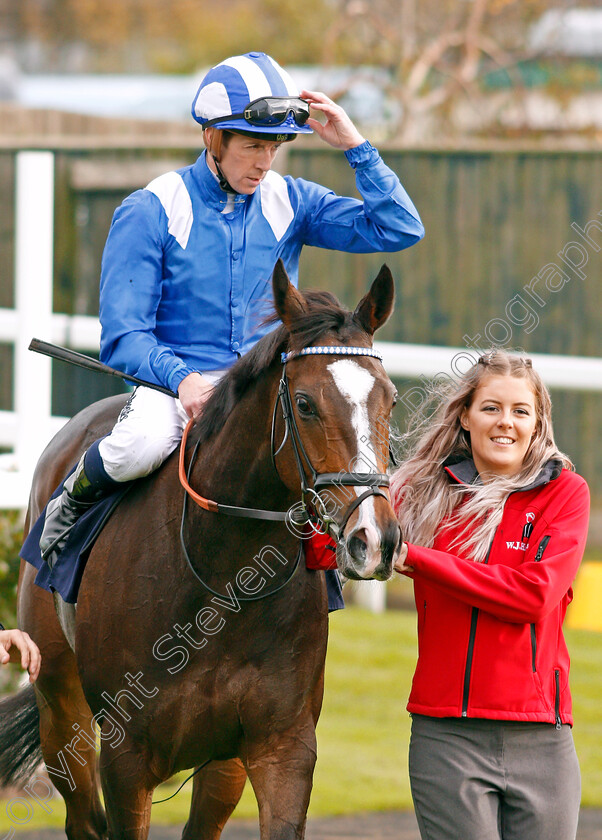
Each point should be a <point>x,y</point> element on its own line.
<point>355,384</point>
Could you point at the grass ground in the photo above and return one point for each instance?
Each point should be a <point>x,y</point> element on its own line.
<point>364,729</point>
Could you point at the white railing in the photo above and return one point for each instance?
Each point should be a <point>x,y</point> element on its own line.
<point>28,429</point>
<point>423,362</point>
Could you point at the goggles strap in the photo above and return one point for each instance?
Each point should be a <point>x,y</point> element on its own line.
<point>223,182</point>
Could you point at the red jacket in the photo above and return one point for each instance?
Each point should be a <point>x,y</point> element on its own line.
<point>490,641</point>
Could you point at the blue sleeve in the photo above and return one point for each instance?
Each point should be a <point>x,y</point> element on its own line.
<point>386,219</point>
<point>130,291</point>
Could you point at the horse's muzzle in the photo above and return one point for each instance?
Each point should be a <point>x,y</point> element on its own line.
<point>369,554</point>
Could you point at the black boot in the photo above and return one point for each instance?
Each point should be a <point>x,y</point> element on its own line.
<point>79,494</point>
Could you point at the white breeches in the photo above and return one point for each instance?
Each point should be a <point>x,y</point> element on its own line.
<point>148,429</point>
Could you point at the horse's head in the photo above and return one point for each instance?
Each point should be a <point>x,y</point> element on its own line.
<point>340,403</point>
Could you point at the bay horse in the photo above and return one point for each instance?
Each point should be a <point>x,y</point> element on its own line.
<point>200,639</point>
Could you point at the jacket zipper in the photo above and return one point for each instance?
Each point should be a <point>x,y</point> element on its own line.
<point>467,673</point>
<point>533,648</point>
<point>540,550</point>
<point>539,554</point>
<point>542,547</point>
<point>469,655</point>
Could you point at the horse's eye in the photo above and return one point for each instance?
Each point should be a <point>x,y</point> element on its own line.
<point>395,398</point>
<point>304,405</point>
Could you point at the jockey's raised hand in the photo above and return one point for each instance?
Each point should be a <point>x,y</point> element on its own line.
<point>338,130</point>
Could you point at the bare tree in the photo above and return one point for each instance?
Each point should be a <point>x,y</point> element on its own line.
<point>437,51</point>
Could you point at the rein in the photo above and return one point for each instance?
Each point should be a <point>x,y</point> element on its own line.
<point>312,505</point>
<point>208,504</point>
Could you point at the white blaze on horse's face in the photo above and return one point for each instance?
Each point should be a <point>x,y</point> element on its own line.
<point>355,384</point>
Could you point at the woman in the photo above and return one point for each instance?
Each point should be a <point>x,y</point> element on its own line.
<point>496,524</point>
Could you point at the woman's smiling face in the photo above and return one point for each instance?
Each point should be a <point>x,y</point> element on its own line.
<point>501,421</point>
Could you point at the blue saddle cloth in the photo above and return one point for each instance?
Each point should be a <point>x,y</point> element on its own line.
<point>66,575</point>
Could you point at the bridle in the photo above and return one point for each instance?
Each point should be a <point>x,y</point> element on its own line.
<point>311,508</point>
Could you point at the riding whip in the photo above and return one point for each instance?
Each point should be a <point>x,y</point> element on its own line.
<point>81,360</point>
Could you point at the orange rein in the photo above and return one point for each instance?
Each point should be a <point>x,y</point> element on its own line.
<point>206,504</point>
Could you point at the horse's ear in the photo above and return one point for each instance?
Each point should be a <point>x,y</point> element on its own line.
<point>287,300</point>
<point>375,308</point>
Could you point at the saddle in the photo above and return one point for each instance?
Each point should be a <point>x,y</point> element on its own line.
<point>66,574</point>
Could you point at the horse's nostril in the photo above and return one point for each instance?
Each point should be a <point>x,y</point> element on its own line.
<point>391,544</point>
<point>357,546</point>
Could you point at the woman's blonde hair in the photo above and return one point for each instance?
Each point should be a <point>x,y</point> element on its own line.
<point>421,490</point>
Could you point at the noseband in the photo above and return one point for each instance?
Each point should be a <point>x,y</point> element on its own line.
<point>311,509</point>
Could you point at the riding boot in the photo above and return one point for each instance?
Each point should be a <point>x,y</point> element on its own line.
<point>86,485</point>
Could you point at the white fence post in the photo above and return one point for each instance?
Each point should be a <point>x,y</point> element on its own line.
<point>30,426</point>
<point>372,595</point>
<point>33,303</point>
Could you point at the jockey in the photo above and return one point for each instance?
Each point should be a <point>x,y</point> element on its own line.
<point>187,265</point>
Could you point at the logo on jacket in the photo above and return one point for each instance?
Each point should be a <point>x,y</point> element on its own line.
<point>518,545</point>
<point>523,543</point>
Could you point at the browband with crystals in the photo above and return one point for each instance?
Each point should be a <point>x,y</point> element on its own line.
<point>332,351</point>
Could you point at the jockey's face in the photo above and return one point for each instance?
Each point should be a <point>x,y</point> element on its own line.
<point>245,161</point>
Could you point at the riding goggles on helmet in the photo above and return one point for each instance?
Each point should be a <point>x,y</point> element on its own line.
<point>270,110</point>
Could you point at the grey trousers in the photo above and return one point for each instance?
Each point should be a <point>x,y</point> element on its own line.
<point>486,780</point>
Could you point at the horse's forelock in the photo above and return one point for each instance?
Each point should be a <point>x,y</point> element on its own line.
<point>324,315</point>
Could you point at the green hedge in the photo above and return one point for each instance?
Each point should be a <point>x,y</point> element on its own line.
<point>11,537</point>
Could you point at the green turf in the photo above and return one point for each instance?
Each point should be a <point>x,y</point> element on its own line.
<point>364,728</point>
<point>586,688</point>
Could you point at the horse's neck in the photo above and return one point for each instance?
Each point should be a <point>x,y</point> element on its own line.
<point>235,468</point>
<point>238,557</point>
<point>235,465</point>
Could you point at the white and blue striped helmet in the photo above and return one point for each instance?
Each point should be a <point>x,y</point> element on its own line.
<point>229,91</point>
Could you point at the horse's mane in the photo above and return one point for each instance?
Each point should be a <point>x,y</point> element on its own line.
<point>324,314</point>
